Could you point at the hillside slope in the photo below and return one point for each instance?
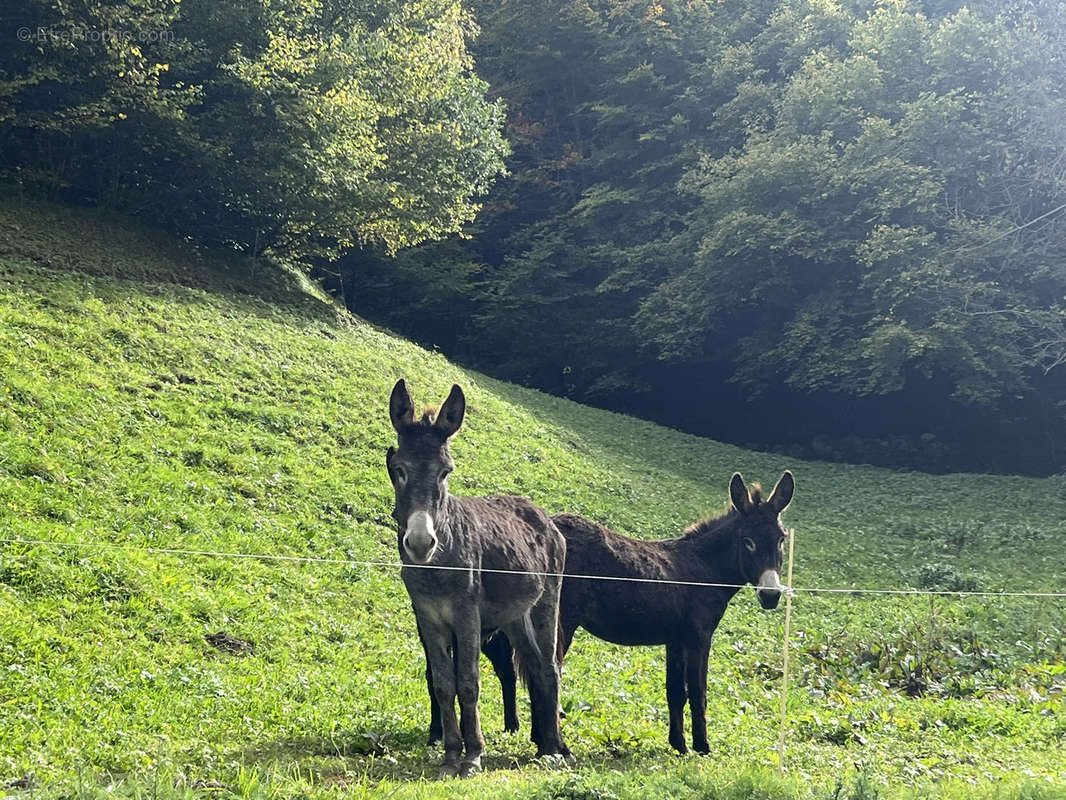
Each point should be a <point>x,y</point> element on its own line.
<point>153,397</point>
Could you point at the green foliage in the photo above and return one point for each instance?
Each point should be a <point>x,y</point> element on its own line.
<point>839,200</point>
<point>300,127</point>
<point>136,412</point>
<point>944,577</point>
<point>877,224</point>
<point>575,235</point>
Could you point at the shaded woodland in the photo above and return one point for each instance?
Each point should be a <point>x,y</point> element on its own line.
<point>837,227</point>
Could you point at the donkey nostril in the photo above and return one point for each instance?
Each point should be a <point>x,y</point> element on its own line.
<point>768,598</point>
<point>420,538</point>
<point>419,547</point>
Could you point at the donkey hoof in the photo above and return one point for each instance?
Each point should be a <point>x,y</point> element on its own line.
<point>564,752</point>
<point>433,740</point>
<point>471,767</point>
<point>555,760</point>
<point>702,748</point>
<point>448,771</point>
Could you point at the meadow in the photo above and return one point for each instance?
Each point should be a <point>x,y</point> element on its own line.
<point>200,442</point>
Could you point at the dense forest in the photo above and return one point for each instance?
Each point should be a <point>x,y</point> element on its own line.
<point>833,228</point>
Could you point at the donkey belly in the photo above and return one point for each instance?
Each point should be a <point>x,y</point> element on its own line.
<point>624,615</point>
<point>628,633</point>
<point>627,637</point>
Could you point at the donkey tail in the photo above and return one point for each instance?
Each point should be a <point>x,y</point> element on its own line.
<point>504,657</point>
<point>522,668</point>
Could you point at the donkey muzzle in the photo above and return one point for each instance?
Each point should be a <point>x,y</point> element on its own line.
<point>420,538</point>
<point>769,589</point>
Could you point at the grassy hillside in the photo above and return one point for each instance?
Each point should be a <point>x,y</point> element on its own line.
<point>153,397</point>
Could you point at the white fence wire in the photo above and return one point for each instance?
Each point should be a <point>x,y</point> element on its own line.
<point>788,589</point>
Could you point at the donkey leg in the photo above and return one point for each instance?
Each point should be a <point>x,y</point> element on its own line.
<point>520,635</point>
<point>467,661</point>
<point>434,706</point>
<point>442,665</point>
<point>676,694</point>
<point>498,648</point>
<point>696,677</point>
<point>544,617</point>
<point>565,636</point>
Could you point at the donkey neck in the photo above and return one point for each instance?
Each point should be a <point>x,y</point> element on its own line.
<point>450,517</point>
<point>712,545</point>
<point>456,527</point>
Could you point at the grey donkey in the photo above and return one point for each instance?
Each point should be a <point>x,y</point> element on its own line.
<point>472,566</point>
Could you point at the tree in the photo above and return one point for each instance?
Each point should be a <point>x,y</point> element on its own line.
<point>832,200</point>
<point>601,126</point>
<point>301,126</point>
<point>894,212</point>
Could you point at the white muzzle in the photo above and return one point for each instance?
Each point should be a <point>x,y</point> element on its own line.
<point>769,589</point>
<point>420,538</point>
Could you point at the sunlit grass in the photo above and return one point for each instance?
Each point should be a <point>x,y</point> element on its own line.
<point>140,413</point>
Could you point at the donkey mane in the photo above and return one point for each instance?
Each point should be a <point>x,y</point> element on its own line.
<point>718,524</point>
<point>429,416</point>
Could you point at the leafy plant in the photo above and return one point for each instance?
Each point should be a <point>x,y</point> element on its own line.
<point>944,577</point>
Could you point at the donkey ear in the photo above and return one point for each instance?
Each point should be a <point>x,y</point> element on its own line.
<point>782,494</point>
<point>738,494</point>
<point>401,406</point>
<point>450,416</point>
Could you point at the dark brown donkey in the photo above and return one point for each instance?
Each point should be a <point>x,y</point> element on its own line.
<point>449,547</point>
<point>739,547</point>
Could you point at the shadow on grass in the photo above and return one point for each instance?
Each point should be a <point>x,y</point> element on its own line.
<point>59,240</point>
<point>402,755</point>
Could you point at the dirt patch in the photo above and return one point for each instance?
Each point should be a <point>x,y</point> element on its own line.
<point>228,643</point>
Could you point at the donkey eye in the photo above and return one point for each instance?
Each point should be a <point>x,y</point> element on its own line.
<point>444,473</point>
<point>401,475</point>
<point>749,543</point>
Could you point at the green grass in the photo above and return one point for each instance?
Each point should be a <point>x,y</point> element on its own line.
<point>155,397</point>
